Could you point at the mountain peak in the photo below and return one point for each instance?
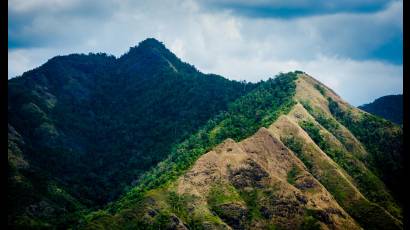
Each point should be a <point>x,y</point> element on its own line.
<point>149,44</point>
<point>152,43</point>
<point>151,55</point>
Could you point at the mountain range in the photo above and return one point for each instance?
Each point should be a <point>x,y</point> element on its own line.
<point>146,141</point>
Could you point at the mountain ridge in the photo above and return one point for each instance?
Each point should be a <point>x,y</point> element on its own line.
<point>77,113</point>
<point>342,173</point>
<point>193,150</point>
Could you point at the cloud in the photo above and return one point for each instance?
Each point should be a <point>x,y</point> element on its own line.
<point>36,23</point>
<point>357,81</point>
<point>346,46</point>
<point>293,8</point>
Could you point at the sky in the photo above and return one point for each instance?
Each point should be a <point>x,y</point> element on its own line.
<point>354,47</point>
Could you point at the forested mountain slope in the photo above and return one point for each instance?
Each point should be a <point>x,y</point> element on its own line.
<point>90,125</point>
<point>389,107</point>
<point>145,141</point>
<point>309,161</point>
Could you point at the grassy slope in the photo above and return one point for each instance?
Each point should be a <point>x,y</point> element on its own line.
<point>343,163</point>
<point>336,141</point>
<point>258,108</point>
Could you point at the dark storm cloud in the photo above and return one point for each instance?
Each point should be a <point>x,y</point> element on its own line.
<point>295,8</point>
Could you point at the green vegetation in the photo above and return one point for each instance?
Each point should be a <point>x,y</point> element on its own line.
<point>251,198</point>
<point>331,125</point>
<point>296,146</point>
<point>314,133</point>
<point>222,194</point>
<point>370,215</point>
<point>93,124</point>
<point>389,107</point>
<point>383,141</point>
<point>226,203</point>
<point>90,130</point>
<point>320,89</point>
<point>367,182</point>
<point>292,175</point>
<point>310,223</point>
<point>263,105</point>
<point>179,206</point>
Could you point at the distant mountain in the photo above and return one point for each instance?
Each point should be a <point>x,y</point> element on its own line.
<point>389,107</point>
<point>146,141</point>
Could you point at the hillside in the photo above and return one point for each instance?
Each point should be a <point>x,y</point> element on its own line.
<point>146,141</point>
<point>389,107</point>
<point>316,164</point>
<point>88,126</point>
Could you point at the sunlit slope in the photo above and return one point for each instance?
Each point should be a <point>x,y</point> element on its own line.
<point>314,165</point>
<point>369,149</point>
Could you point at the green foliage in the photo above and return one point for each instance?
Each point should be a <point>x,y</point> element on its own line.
<point>93,124</point>
<point>327,122</point>
<point>383,141</point>
<point>389,107</point>
<point>340,190</point>
<point>320,89</point>
<point>291,177</point>
<point>297,147</point>
<point>314,133</point>
<point>244,117</point>
<point>179,206</point>
<point>369,184</point>
<point>251,198</point>
<point>161,221</point>
<point>371,216</point>
<point>221,194</point>
<point>310,223</point>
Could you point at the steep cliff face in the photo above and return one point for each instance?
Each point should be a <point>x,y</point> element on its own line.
<point>314,167</point>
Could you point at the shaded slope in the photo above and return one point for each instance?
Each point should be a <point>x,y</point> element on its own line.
<point>389,107</point>
<point>44,200</point>
<point>260,107</point>
<point>93,123</point>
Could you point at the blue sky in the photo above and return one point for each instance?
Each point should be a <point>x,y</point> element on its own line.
<point>353,46</point>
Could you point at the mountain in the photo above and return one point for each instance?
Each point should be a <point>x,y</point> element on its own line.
<point>291,154</point>
<point>389,107</point>
<point>87,126</point>
<point>146,141</point>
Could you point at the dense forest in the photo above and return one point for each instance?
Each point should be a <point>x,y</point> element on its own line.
<point>92,124</point>
<point>350,170</point>
<point>99,142</point>
<point>389,107</point>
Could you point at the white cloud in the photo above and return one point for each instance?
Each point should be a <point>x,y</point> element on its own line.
<point>21,60</point>
<point>357,82</point>
<point>326,46</point>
